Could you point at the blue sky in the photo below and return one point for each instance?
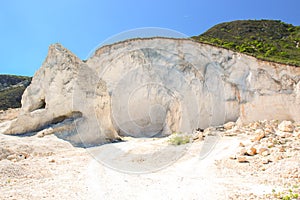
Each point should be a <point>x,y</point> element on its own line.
<point>29,27</point>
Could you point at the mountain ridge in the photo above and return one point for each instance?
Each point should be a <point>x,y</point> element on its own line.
<point>269,40</point>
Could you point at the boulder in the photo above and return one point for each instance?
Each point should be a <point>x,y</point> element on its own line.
<point>259,134</point>
<point>286,126</point>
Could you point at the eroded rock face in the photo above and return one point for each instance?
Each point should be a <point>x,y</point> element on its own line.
<point>156,86</point>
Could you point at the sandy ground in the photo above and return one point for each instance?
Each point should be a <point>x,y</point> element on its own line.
<point>50,168</point>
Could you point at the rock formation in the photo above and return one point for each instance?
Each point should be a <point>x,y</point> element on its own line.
<point>153,87</point>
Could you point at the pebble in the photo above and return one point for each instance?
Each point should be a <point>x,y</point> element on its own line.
<point>278,158</point>
<point>264,152</point>
<point>242,159</point>
<point>265,161</point>
<point>252,151</point>
<point>241,144</point>
<point>281,149</point>
<point>11,157</point>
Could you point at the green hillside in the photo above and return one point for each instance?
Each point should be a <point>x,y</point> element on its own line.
<point>11,90</point>
<point>270,40</point>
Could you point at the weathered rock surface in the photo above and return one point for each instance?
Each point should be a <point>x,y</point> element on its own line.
<point>156,86</point>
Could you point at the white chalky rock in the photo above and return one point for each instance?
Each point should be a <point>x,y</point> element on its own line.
<point>154,86</point>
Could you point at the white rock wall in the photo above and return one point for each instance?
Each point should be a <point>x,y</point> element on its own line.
<point>156,86</point>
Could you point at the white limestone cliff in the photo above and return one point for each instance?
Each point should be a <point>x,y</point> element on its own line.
<point>152,87</point>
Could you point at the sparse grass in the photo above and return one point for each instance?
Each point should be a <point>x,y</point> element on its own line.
<point>179,139</point>
<point>276,142</point>
<point>286,195</point>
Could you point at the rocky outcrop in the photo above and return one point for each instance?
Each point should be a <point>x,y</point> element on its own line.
<point>153,87</point>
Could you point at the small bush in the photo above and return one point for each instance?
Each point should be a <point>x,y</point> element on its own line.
<point>179,139</point>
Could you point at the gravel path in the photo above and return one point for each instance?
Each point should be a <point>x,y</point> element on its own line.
<point>50,168</point>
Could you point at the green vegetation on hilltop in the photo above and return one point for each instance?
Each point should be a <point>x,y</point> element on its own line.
<point>11,90</point>
<point>270,40</point>
<point>11,98</point>
<point>10,80</point>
